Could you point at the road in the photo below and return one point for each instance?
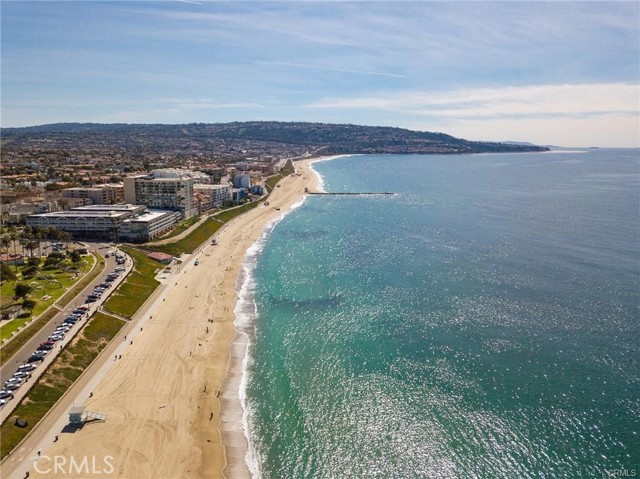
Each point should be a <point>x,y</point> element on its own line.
<point>16,465</point>
<point>7,370</point>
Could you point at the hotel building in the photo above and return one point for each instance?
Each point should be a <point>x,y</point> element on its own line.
<point>162,189</point>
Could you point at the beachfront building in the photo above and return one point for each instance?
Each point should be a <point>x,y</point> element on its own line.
<point>167,189</point>
<point>106,194</point>
<point>149,225</point>
<point>95,221</point>
<point>242,181</point>
<point>238,194</point>
<point>88,224</point>
<point>113,222</point>
<point>207,197</point>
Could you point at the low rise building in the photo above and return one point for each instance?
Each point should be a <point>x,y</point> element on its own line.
<point>149,225</point>
<point>207,197</point>
<point>106,194</point>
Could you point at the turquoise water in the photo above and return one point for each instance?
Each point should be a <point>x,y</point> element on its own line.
<point>482,323</point>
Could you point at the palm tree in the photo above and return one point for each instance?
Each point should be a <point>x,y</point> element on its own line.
<point>13,236</point>
<point>5,243</point>
<point>65,237</point>
<point>38,236</point>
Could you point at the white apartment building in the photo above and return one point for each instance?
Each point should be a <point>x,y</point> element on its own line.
<point>211,196</point>
<point>162,189</point>
<point>148,225</point>
<point>114,222</point>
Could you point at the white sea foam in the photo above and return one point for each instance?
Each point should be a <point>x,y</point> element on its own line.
<point>318,175</point>
<point>246,312</point>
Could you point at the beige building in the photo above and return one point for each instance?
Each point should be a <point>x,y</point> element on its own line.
<point>207,197</point>
<point>106,194</point>
<point>162,189</point>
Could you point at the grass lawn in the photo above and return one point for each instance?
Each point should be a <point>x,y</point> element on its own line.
<point>9,349</point>
<point>59,377</point>
<point>138,286</point>
<point>182,226</point>
<point>50,284</point>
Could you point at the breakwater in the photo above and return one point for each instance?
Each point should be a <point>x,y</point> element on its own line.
<point>366,193</point>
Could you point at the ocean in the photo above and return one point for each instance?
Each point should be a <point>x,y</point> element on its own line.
<point>480,323</point>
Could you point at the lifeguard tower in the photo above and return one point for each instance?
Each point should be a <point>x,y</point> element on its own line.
<point>78,416</point>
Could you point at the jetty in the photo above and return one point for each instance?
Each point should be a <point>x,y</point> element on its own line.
<point>351,193</point>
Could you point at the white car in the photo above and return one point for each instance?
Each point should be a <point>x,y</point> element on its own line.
<point>21,375</point>
<point>27,367</point>
<point>4,394</point>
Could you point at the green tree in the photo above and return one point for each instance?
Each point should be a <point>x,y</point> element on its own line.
<point>29,304</point>
<point>5,244</point>
<point>21,290</point>
<point>30,271</point>
<point>6,274</point>
<point>75,256</point>
<point>66,238</point>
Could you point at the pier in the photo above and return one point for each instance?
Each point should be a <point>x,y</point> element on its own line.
<point>365,193</point>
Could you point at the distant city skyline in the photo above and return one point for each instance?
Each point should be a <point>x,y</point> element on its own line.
<point>558,73</point>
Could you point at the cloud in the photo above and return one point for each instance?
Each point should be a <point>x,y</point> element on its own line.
<point>502,102</point>
<point>329,68</point>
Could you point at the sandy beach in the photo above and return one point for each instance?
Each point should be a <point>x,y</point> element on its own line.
<point>163,398</point>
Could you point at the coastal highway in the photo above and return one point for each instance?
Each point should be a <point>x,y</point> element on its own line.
<point>10,367</point>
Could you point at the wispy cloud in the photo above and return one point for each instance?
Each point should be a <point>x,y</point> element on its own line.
<point>533,101</point>
<point>330,68</point>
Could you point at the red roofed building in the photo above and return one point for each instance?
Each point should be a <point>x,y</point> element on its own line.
<point>161,257</point>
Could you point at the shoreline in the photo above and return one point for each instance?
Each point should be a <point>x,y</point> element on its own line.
<point>240,460</point>
<point>171,401</point>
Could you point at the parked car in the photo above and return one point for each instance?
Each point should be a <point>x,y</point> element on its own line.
<point>12,386</point>
<point>5,394</point>
<point>92,299</point>
<point>27,367</point>
<point>83,308</point>
<point>22,375</point>
<point>45,347</point>
<point>35,358</point>
<point>56,337</point>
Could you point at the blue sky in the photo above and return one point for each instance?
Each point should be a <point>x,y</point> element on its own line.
<point>562,73</point>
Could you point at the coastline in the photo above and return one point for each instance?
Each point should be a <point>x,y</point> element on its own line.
<point>240,462</point>
<point>172,401</point>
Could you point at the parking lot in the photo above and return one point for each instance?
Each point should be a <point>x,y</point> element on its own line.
<point>18,375</point>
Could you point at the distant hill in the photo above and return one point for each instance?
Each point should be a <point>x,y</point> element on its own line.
<point>270,137</point>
